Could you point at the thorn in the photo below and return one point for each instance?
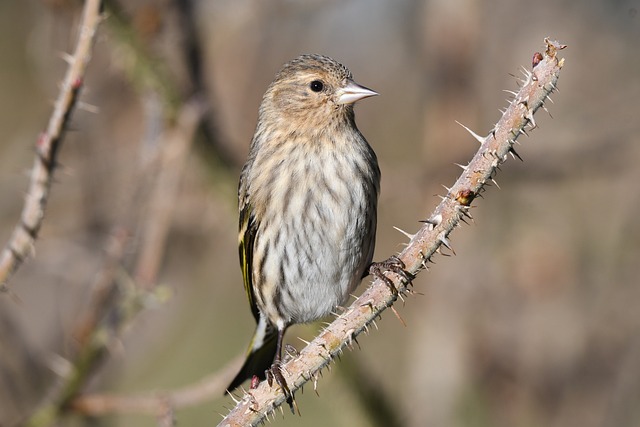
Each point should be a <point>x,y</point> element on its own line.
<point>304,341</point>
<point>446,243</point>
<point>475,135</point>
<point>526,72</point>
<point>515,154</point>
<point>545,109</point>
<point>496,184</point>
<point>464,168</point>
<point>88,107</point>
<point>315,384</point>
<point>446,188</point>
<point>349,335</point>
<point>409,235</point>
<point>510,92</point>
<point>423,261</point>
<point>368,304</point>
<point>398,316</point>
<point>66,57</point>
<point>549,98</point>
<point>401,298</point>
<point>434,221</point>
<point>439,251</point>
<point>355,340</point>
<point>529,116</point>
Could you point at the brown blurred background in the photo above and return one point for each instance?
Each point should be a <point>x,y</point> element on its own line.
<point>535,322</point>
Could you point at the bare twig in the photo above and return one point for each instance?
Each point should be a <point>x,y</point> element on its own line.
<point>155,403</point>
<point>111,309</point>
<point>495,148</point>
<point>21,244</point>
<point>175,145</point>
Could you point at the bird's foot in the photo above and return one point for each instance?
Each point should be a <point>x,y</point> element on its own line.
<point>394,265</point>
<point>275,373</point>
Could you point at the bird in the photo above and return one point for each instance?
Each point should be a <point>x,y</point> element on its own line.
<point>307,199</point>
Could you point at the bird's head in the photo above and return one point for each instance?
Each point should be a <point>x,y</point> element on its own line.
<point>313,89</point>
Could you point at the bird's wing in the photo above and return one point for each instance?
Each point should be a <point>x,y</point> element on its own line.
<point>248,229</point>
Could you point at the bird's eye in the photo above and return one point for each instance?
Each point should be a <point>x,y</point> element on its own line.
<point>316,86</point>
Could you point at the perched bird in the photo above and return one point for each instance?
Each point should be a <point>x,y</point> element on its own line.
<point>308,198</point>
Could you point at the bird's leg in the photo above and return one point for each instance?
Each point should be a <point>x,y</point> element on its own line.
<point>394,265</point>
<point>275,372</point>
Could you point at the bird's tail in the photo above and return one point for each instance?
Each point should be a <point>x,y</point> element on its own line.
<point>260,355</point>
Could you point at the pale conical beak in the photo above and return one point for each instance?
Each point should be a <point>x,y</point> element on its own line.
<point>353,92</point>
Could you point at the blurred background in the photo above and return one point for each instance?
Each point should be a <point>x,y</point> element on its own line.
<point>536,321</point>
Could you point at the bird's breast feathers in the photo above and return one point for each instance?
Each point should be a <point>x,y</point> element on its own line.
<point>320,208</point>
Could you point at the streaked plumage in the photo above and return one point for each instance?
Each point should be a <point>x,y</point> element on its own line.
<point>307,199</point>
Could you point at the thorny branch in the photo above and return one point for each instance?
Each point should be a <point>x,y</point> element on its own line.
<point>538,84</point>
<point>21,244</point>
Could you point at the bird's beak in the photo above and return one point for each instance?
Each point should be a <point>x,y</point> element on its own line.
<point>353,92</point>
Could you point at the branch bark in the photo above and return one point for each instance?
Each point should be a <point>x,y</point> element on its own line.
<point>21,243</point>
<point>538,84</point>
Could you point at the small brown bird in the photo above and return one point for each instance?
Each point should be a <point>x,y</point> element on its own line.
<point>308,199</point>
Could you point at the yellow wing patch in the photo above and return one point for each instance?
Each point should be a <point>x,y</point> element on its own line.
<point>248,229</point>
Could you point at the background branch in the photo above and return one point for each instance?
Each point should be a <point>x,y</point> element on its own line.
<point>257,404</point>
<point>156,403</point>
<point>117,298</point>
<point>21,243</point>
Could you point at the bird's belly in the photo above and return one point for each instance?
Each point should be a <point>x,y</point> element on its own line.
<point>324,246</point>
<point>325,266</point>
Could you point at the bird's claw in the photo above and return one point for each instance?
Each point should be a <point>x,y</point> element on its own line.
<point>275,373</point>
<point>394,265</point>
